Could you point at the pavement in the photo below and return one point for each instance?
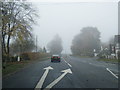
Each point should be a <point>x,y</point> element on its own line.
<point>71,72</point>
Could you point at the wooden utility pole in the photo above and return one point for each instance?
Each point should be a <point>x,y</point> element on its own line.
<point>36,43</point>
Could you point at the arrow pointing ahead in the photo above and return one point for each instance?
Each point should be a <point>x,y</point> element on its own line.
<point>59,78</point>
<point>40,83</point>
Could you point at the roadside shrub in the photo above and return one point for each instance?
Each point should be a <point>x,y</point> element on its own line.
<point>9,59</point>
<point>4,57</point>
<point>13,59</point>
<point>119,56</point>
<point>33,55</point>
<point>24,56</point>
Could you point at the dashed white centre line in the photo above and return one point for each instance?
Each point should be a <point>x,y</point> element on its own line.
<point>111,73</point>
<point>67,63</point>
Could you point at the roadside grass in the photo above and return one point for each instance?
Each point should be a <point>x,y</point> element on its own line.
<point>109,60</point>
<point>85,56</point>
<point>81,56</point>
<point>12,67</point>
<point>101,59</point>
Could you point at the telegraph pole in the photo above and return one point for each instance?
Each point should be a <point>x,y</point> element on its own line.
<point>36,43</point>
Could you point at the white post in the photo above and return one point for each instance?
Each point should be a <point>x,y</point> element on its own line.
<point>18,58</point>
<point>116,54</point>
<point>94,52</point>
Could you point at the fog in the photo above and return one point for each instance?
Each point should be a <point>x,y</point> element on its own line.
<point>67,19</point>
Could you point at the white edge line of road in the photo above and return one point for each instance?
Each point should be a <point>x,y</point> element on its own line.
<point>112,73</point>
<point>67,62</point>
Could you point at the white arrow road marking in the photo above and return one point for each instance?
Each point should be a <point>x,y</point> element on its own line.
<point>40,83</point>
<point>111,73</point>
<point>59,78</point>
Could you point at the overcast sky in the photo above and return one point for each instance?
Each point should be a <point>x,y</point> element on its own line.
<point>67,19</point>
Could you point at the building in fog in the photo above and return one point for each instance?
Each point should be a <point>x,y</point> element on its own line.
<point>117,45</point>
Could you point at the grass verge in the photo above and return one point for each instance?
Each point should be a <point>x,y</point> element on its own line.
<point>109,60</point>
<point>12,67</point>
<point>81,56</point>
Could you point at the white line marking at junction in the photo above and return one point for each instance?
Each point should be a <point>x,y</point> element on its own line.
<point>67,63</point>
<point>59,78</point>
<point>111,73</point>
<point>40,83</point>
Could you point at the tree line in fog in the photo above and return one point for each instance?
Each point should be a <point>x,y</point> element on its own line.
<point>86,42</point>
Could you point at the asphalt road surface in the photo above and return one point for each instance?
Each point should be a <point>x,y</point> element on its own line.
<point>71,72</point>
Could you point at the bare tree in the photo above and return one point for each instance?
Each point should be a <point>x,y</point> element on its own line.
<point>17,47</point>
<point>17,19</point>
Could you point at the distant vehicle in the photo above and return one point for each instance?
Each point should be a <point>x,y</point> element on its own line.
<point>55,58</point>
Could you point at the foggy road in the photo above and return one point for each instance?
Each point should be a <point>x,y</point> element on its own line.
<point>30,32</point>
<point>71,72</point>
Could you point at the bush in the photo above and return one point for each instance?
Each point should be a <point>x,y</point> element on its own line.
<point>24,56</point>
<point>4,57</point>
<point>33,55</point>
<point>118,55</point>
<point>13,59</point>
<point>9,59</point>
